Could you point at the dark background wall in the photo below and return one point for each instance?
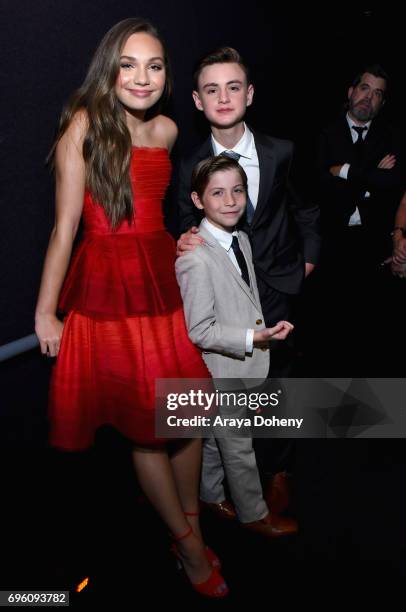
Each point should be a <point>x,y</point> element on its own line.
<point>302,62</point>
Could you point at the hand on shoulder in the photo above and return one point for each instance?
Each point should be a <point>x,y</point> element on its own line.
<point>188,241</point>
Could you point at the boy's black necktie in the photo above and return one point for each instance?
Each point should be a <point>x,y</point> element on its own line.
<point>250,207</point>
<point>240,260</point>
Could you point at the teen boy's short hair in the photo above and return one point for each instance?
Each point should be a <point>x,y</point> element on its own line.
<point>222,55</point>
<point>204,170</point>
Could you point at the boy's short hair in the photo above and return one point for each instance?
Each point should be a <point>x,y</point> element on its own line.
<point>222,55</point>
<point>204,170</point>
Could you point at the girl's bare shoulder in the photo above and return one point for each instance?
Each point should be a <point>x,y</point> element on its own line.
<point>75,132</point>
<point>165,130</point>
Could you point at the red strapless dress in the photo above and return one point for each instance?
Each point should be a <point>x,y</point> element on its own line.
<point>125,325</point>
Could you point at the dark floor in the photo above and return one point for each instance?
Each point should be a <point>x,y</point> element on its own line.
<point>67,517</point>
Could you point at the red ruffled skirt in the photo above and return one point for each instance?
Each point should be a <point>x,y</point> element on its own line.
<point>105,374</point>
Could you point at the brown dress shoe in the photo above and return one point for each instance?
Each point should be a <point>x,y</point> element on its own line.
<point>277,493</point>
<point>224,510</point>
<point>273,526</point>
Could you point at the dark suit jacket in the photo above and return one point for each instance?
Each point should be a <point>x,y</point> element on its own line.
<point>339,197</point>
<point>283,232</point>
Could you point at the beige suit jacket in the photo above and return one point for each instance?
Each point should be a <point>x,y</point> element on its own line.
<point>220,307</point>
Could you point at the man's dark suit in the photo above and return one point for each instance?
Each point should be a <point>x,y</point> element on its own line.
<point>355,290</point>
<point>338,197</point>
<point>283,232</point>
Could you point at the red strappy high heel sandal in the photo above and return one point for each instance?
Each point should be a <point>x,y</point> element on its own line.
<point>214,586</point>
<point>211,555</point>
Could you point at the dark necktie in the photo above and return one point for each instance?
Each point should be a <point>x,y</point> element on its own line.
<point>358,154</point>
<point>240,260</point>
<point>249,211</point>
<point>359,143</point>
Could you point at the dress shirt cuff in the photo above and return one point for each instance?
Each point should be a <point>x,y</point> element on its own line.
<point>249,341</point>
<point>344,171</point>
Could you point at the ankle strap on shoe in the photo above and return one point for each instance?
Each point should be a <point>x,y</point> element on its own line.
<point>191,513</point>
<point>183,536</point>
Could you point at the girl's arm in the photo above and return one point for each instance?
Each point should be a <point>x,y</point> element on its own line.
<point>70,186</point>
<point>399,233</point>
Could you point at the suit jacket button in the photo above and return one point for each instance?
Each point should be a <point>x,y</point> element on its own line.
<point>258,321</point>
<point>263,348</point>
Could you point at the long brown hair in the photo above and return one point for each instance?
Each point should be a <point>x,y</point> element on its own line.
<point>107,144</point>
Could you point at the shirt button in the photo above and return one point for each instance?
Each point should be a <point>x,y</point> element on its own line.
<point>258,321</point>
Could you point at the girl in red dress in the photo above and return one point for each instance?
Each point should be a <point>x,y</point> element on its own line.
<point>124,323</point>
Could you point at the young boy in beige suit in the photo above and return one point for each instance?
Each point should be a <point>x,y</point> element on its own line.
<point>224,318</point>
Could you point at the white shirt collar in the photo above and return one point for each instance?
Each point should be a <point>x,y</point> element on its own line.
<point>244,146</point>
<point>351,122</point>
<point>224,238</point>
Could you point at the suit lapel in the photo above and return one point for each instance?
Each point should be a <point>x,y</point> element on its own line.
<point>373,138</point>
<point>244,241</point>
<point>205,151</point>
<point>221,253</point>
<point>345,132</point>
<point>266,161</point>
